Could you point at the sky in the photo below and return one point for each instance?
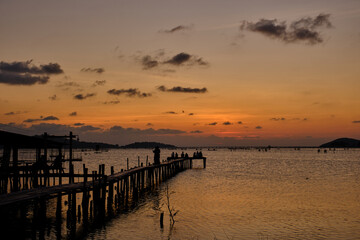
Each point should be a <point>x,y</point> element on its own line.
<point>189,73</point>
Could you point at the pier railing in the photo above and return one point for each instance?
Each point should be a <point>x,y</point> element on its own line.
<point>100,194</point>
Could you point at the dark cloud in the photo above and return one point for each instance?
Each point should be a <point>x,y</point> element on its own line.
<point>191,114</point>
<point>73,114</point>
<point>177,29</point>
<point>131,92</point>
<point>148,62</point>
<point>149,131</point>
<point>26,73</point>
<point>99,83</point>
<point>28,67</point>
<point>196,131</point>
<point>48,118</point>
<point>9,113</point>
<point>278,119</point>
<point>170,112</point>
<point>357,121</point>
<point>258,127</point>
<point>227,123</point>
<point>84,96</point>
<point>22,79</point>
<point>88,128</point>
<point>182,89</point>
<point>212,124</point>
<point>94,70</point>
<point>53,97</point>
<point>112,102</point>
<point>79,124</point>
<point>182,58</point>
<point>303,30</point>
<point>149,124</point>
<point>239,122</point>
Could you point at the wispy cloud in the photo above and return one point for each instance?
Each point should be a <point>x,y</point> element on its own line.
<point>356,121</point>
<point>182,89</point>
<point>258,127</point>
<point>73,114</point>
<point>196,131</point>
<point>185,58</point>
<point>53,97</point>
<point>278,119</point>
<point>99,83</point>
<point>227,123</point>
<point>131,92</point>
<point>213,124</point>
<point>84,96</point>
<point>303,30</point>
<point>111,102</point>
<point>48,118</point>
<point>170,112</point>
<point>178,28</point>
<point>94,70</point>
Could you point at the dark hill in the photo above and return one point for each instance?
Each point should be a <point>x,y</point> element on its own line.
<point>342,143</point>
<point>148,145</point>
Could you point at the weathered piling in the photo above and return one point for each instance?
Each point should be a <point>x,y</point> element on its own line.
<point>102,194</point>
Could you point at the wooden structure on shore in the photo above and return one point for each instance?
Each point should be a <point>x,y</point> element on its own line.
<point>101,195</point>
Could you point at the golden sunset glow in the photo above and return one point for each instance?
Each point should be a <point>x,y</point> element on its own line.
<point>182,72</point>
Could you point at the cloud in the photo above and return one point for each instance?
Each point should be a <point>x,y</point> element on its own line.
<point>227,123</point>
<point>131,92</point>
<point>111,102</point>
<point>278,119</point>
<point>258,127</point>
<point>182,89</point>
<point>357,121</point>
<point>149,131</point>
<point>26,73</point>
<point>22,79</point>
<point>53,97</point>
<point>84,96</point>
<point>99,83</point>
<point>239,122</point>
<point>28,67</point>
<point>14,113</point>
<point>48,118</point>
<point>148,62</point>
<point>94,70</point>
<point>212,124</point>
<point>303,30</point>
<point>79,124</point>
<point>177,29</point>
<point>68,84</point>
<point>159,59</point>
<point>149,124</point>
<point>182,58</point>
<point>170,112</point>
<point>191,114</point>
<point>196,131</point>
<point>73,114</point>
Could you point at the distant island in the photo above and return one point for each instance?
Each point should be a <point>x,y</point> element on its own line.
<point>148,145</point>
<point>342,143</point>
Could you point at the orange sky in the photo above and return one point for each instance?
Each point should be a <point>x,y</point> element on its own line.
<point>233,72</point>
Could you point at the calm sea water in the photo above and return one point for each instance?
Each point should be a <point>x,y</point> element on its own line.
<point>245,194</point>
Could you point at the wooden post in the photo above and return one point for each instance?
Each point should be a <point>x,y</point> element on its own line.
<point>138,161</point>
<point>127,163</point>
<point>16,172</point>
<point>204,162</point>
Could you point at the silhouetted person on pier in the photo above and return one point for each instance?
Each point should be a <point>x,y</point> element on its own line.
<point>186,155</point>
<point>156,155</point>
<point>172,155</point>
<point>182,155</point>
<point>176,155</point>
